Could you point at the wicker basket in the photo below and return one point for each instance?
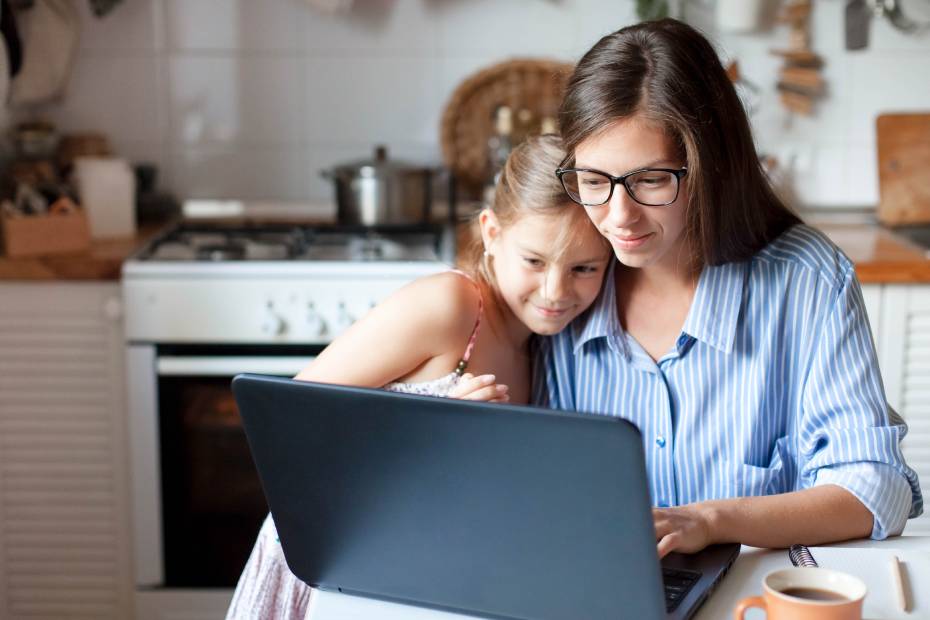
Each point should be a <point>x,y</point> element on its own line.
<point>536,85</point>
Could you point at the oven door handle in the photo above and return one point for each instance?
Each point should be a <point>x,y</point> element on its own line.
<point>230,365</point>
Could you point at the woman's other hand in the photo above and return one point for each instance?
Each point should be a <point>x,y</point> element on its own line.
<point>482,387</point>
<point>686,529</point>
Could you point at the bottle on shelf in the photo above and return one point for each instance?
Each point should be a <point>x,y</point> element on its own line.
<point>499,146</point>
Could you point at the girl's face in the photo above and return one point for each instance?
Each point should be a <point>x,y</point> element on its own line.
<point>545,287</point>
<point>641,236</point>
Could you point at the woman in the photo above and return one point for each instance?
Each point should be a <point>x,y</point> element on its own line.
<point>534,267</point>
<point>731,334</point>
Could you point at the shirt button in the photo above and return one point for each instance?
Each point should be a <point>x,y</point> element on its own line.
<point>663,504</point>
<point>660,441</point>
<point>682,340</point>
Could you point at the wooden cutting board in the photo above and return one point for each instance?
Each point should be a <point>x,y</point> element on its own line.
<point>903,168</point>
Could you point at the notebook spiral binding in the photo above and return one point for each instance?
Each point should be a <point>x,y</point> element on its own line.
<point>801,556</point>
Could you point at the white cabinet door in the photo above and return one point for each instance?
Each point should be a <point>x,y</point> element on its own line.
<point>64,527</point>
<point>905,356</point>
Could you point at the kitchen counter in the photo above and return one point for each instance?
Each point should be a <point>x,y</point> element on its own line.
<point>101,262</point>
<point>880,256</point>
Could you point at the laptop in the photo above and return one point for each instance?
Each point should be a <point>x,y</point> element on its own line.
<point>477,509</point>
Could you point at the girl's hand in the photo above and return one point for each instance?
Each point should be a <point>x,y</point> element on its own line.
<point>686,529</point>
<point>481,387</point>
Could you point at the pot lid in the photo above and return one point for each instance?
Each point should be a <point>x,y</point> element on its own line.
<point>378,165</point>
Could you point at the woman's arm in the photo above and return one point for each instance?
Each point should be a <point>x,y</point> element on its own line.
<point>814,516</point>
<point>432,317</point>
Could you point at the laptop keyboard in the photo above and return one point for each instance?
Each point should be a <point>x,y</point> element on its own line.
<point>677,585</point>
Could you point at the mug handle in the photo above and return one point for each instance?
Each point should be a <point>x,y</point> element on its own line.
<point>746,603</point>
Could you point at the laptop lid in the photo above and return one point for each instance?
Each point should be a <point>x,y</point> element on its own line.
<point>495,510</point>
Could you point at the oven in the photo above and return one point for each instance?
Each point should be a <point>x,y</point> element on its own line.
<point>191,325</point>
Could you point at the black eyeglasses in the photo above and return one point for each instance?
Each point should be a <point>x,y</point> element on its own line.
<point>650,187</point>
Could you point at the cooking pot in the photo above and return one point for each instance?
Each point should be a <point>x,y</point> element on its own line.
<point>380,192</point>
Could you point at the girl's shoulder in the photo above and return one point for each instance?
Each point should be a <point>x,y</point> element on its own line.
<point>449,301</point>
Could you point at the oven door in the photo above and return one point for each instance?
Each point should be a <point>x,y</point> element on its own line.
<point>198,503</point>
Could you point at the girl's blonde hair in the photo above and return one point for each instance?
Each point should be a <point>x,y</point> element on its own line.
<point>528,186</point>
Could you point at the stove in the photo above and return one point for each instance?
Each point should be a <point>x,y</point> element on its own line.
<point>207,300</point>
<point>246,282</point>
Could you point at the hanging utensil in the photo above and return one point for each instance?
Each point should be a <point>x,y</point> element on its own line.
<point>859,15</point>
<point>858,18</point>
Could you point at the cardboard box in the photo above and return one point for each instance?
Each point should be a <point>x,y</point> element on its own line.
<point>35,235</point>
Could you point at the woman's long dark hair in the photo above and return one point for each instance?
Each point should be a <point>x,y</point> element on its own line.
<point>668,73</point>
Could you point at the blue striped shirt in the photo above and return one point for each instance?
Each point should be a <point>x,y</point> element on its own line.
<point>772,386</point>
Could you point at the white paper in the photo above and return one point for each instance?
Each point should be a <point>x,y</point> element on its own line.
<point>873,566</point>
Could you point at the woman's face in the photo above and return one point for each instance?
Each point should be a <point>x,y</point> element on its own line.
<point>545,287</point>
<point>641,236</point>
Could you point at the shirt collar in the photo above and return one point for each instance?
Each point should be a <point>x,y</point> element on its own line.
<point>715,310</point>
<point>600,320</point>
<point>711,319</point>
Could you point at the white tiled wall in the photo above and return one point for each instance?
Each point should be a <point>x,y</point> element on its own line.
<point>251,98</point>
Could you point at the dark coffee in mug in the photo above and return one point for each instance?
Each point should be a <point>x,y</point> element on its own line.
<point>815,594</point>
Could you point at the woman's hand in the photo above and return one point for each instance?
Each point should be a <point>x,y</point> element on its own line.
<point>686,529</point>
<point>482,387</point>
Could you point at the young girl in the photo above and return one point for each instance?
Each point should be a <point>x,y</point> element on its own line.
<point>536,265</point>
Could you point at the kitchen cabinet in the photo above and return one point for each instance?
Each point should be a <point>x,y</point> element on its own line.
<point>64,495</point>
<point>900,318</point>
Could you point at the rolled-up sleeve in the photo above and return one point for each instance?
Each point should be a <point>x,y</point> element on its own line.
<point>847,436</point>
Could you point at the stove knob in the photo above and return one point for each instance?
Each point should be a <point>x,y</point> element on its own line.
<point>315,321</point>
<point>274,324</point>
<point>345,319</point>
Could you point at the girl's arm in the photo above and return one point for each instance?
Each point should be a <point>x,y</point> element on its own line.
<point>814,516</point>
<point>430,318</point>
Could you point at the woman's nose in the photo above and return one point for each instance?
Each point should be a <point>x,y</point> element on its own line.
<point>622,209</point>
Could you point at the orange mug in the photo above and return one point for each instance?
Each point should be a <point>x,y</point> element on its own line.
<point>807,594</point>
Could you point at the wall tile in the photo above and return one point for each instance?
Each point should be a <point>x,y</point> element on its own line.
<point>509,27</point>
<point>128,27</point>
<point>237,173</point>
<point>886,82</point>
<point>237,99</point>
<point>235,25</point>
<point>861,175</point>
<point>383,28</point>
<point>372,100</point>
<point>113,95</point>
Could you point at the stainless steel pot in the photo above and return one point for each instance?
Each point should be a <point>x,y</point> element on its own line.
<point>380,192</point>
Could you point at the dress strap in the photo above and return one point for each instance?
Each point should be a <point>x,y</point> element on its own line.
<point>463,363</point>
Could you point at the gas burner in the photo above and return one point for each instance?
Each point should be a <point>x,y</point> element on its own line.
<point>221,251</point>
<point>218,243</point>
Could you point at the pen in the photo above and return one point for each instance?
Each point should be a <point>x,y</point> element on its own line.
<point>898,578</point>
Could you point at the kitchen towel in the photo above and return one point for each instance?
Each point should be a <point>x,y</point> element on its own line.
<point>49,32</point>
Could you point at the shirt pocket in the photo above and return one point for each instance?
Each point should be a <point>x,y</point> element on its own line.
<point>752,480</point>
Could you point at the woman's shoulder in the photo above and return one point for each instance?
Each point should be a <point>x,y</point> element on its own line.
<point>802,247</point>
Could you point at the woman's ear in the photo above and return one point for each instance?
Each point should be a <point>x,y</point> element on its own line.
<point>490,228</point>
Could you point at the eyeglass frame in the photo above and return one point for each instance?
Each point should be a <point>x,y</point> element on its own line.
<point>678,174</point>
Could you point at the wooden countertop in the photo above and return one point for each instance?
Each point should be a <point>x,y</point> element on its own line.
<point>880,256</point>
<point>101,262</point>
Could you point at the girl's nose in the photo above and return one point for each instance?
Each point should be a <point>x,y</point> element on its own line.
<point>553,285</point>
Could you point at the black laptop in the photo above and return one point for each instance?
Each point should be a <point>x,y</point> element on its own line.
<point>489,510</point>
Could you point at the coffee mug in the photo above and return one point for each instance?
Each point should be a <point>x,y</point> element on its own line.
<point>807,594</point>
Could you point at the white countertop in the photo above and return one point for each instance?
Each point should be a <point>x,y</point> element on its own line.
<point>743,580</point>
